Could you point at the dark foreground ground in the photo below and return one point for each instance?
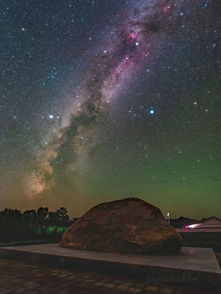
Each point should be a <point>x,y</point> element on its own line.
<point>23,277</point>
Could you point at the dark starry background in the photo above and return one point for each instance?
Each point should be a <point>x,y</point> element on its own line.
<point>158,138</point>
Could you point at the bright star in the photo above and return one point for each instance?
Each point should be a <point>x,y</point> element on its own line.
<point>151,111</point>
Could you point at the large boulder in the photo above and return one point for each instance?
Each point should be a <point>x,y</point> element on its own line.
<point>129,225</point>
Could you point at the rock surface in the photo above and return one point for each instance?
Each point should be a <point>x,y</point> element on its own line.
<point>129,225</point>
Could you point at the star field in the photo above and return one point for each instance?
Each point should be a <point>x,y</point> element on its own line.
<point>102,100</point>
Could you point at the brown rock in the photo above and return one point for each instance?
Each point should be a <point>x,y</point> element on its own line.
<point>125,226</point>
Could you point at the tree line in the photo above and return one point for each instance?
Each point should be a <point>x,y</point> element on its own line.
<point>40,223</point>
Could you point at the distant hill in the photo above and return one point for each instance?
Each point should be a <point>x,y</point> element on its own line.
<point>181,222</point>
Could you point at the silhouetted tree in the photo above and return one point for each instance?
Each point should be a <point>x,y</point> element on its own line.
<point>63,217</point>
<point>29,217</point>
<point>41,216</point>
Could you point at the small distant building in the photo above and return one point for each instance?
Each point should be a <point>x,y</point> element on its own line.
<point>211,222</point>
<point>205,223</point>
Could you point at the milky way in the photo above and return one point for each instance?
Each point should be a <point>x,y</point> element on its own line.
<point>124,127</point>
<point>108,73</point>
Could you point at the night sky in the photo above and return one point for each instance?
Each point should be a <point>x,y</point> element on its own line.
<point>101,100</point>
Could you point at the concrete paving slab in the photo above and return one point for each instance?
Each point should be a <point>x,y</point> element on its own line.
<point>189,258</point>
<point>192,263</point>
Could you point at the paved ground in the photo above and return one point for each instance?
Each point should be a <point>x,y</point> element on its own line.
<point>21,277</point>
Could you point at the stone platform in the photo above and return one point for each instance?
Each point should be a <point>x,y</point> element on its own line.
<point>191,265</point>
